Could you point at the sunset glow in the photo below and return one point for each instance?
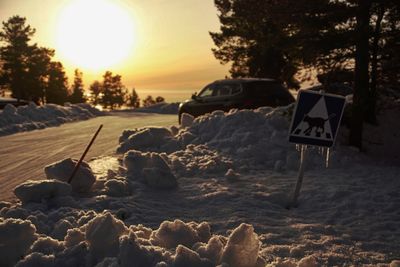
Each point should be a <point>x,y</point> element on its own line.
<point>95,34</point>
<point>157,46</point>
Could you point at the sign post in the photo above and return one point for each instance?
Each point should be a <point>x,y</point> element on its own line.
<point>315,122</point>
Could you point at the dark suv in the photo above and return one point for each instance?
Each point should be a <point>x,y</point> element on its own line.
<point>237,93</point>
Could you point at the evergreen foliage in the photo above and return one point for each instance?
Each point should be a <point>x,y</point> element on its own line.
<point>148,101</point>
<point>27,70</point>
<point>276,39</point>
<point>96,90</point>
<point>113,91</point>
<point>57,85</point>
<point>133,99</point>
<point>77,95</point>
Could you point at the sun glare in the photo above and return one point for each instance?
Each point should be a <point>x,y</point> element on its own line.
<point>95,34</point>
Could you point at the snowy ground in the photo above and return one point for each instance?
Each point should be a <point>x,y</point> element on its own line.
<point>213,192</point>
<point>25,154</point>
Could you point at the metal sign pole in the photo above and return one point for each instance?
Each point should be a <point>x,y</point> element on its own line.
<point>303,153</point>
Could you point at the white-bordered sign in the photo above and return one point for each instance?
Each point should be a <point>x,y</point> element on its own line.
<point>316,118</point>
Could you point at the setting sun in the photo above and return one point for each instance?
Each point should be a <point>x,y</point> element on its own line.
<point>95,34</point>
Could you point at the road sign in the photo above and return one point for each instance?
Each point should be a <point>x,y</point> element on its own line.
<point>316,119</point>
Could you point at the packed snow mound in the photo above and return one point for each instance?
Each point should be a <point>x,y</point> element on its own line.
<point>31,117</point>
<point>62,170</point>
<point>36,191</point>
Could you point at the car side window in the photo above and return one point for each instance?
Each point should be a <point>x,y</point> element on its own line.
<point>236,88</point>
<point>227,89</point>
<point>223,90</point>
<point>207,91</point>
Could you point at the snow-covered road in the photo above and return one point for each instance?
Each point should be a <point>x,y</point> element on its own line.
<point>24,155</point>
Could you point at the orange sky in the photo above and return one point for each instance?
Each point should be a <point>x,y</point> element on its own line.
<point>169,45</point>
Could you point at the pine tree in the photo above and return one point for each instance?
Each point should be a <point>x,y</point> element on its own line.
<point>57,85</point>
<point>160,99</point>
<point>15,52</point>
<point>148,101</point>
<point>77,89</point>
<point>133,99</point>
<point>96,90</point>
<point>113,91</point>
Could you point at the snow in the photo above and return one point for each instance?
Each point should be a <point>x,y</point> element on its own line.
<point>161,108</point>
<point>186,120</point>
<point>242,247</point>
<point>35,191</point>
<point>16,237</point>
<point>31,117</point>
<point>229,177</point>
<point>151,168</point>
<point>62,170</point>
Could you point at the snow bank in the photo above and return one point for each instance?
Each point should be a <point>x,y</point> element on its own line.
<point>161,108</point>
<point>31,117</point>
<point>62,170</point>
<point>214,143</point>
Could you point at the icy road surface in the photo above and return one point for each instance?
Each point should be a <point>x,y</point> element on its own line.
<point>24,155</point>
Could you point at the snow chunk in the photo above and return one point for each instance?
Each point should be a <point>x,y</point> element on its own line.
<point>186,120</point>
<point>242,247</point>
<point>35,191</point>
<point>102,235</point>
<point>151,168</point>
<point>116,188</point>
<point>186,257</point>
<point>309,261</point>
<point>61,228</point>
<point>170,234</point>
<point>37,259</point>
<point>200,159</point>
<point>144,139</point>
<point>16,237</point>
<point>231,175</point>
<point>212,250</point>
<point>74,236</point>
<point>132,251</point>
<point>62,170</point>
<point>47,246</point>
<point>108,262</point>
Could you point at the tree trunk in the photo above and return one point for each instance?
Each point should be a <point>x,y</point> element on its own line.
<point>361,73</point>
<point>370,115</point>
